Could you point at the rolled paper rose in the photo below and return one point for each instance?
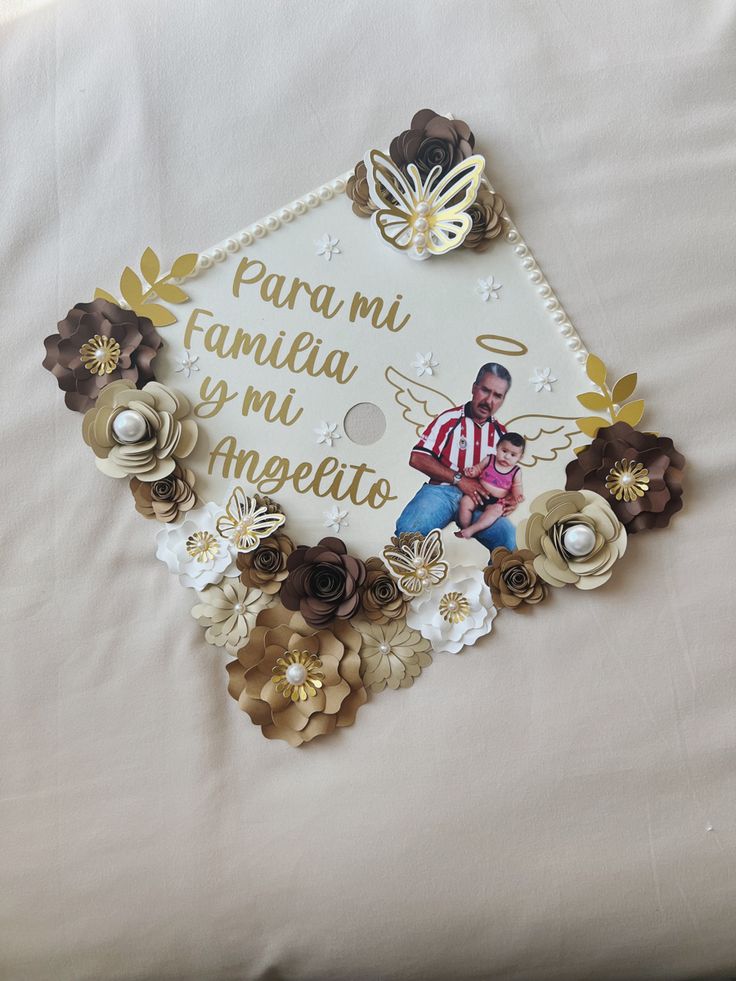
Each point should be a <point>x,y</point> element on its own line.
<point>380,595</point>
<point>98,343</point>
<point>638,474</point>
<point>513,580</point>
<point>359,193</point>
<point>323,582</point>
<point>265,567</point>
<point>575,537</point>
<point>297,682</point>
<point>137,433</point>
<point>432,140</point>
<point>486,214</point>
<point>167,498</point>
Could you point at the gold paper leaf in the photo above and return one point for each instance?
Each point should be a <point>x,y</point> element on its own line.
<point>150,266</point>
<point>131,288</point>
<point>631,412</point>
<point>591,424</point>
<point>170,293</point>
<point>104,295</point>
<point>596,370</point>
<point>594,401</point>
<point>184,265</point>
<point>158,315</point>
<point>624,388</point>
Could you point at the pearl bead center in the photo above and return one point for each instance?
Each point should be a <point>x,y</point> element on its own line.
<point>384,648</point>
<point>129,426</point>
<point>296,674</point>
<point>579,540</point>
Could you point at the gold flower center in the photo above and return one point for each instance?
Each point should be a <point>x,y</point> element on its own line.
<point>100,355</point>
<point>454,607</point>
<point>296,675</point>
<point>202,546</point>
<point>628,480</point>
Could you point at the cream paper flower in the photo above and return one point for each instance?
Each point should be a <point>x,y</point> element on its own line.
<point>195,551</point>
<point>454,613</point>
<point>392,654</point>
<point>229,612</point>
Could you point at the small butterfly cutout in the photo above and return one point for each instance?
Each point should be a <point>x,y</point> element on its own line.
<point>246,522</point>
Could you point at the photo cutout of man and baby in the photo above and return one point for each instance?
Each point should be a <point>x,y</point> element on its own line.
<point>473,468</point>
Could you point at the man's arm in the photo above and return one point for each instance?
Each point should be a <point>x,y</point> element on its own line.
<point>435,470</point>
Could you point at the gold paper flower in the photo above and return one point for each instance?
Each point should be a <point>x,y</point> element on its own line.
<point>575,537</point>
<point>513,579</point>
<point>627,480</point>
<point>392,654</point>
<point>228,610</point>
<point>277,634</point>
<point>100,355</point>
<point>137,433</point>
<point>297,675</point>
<point>381,597</point>
<point>416,562</point>
<point>265,567</point>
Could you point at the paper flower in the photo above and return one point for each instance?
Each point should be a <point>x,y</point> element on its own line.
<point>432,140</point>
<point>323,582</point>
<point>381,597</point>
<point>188,364</point>
<point>265,567</point>
<point>416,561</point>
<point>513,580</point>
<point>335,518</point>
<point>229,612</point>
<point>167,498</point>
<point>327,433</point>
<point>194,551</point>
<point>283,655</point>
<point>328,246</point>
<point>425,364</point>
<point>486,215</point>
<point>98,343</point>
<point>638,474</point>
<point>455,613</point>
<point>542,380</point>
<point>575,537</point>
<point>359,193</point>
<point>392,654</point>
<point>137,433</point>
<point>488,289</point>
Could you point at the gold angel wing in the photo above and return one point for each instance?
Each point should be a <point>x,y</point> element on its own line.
<point>420,403</point>
<point>245,523</point>
<point>546,436</point>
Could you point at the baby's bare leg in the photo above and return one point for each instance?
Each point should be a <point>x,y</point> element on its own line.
<point>465,510</point>
<point>492,513</point>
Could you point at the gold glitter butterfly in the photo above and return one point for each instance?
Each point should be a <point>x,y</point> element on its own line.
<point>416,563</point>
<point>427,217</point>
<point>246,522</point>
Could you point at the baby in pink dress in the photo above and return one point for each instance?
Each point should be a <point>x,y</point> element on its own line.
<point>500,476</point>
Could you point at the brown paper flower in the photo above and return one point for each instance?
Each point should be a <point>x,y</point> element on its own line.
<point>323,582</point>
<point>488,223</point>
<point>432,140</point>
<point>98,343</point>
<point>575,537</point>
<point>296,682</point>
<point>513,579</point>
<point>381,597</point>
<point>639,474</point>
<point>265,567</point>
<point>358,192</point>
<point>167,498</point>
<point>137,433</point>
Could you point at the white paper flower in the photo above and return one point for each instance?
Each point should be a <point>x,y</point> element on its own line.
<point>542,379</point>
<point>188,364</point>
<point>425,364</point>
<point>327,433</point>
<point>454,613</point>
<point>335,518</point>
<point>195,551</point>
<point>229,612</point>
<point>328,246</point>
<point>488,289</point>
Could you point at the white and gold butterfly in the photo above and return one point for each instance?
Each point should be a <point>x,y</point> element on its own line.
<point>246,522</point>
<point>417,565</point>
<point>422,218</point>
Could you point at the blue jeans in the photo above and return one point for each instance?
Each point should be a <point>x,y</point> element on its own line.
<point>435,506</point>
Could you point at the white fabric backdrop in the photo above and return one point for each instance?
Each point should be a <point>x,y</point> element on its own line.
<point>537,809</point>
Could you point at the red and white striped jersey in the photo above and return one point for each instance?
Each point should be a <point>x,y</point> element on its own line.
<point>457,440</point>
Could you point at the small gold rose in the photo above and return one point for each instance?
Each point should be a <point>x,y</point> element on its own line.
<point>100,355</point>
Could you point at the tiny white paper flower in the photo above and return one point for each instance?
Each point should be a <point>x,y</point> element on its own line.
<point>488,289</point>
<point>543,380</point>
<point>335,518</point>
<point>328,246</point>
<point>327,433</point>
<point>188,364</point>
<point>425,364</point>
